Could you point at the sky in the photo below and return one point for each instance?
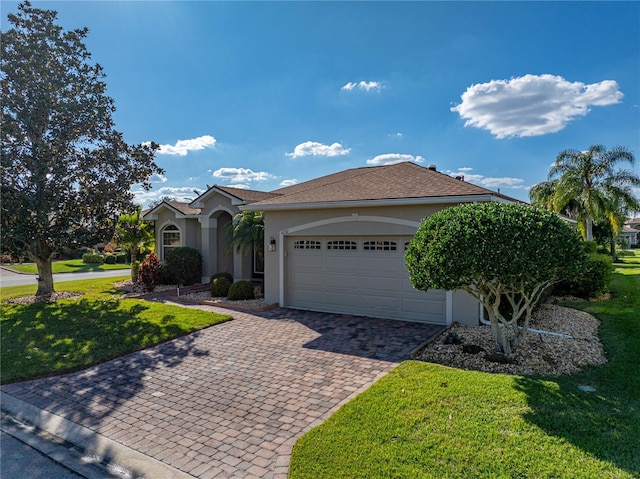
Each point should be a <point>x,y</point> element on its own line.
<point>263,95</point>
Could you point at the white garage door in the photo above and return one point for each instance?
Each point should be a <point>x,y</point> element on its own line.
<point>359,275</point>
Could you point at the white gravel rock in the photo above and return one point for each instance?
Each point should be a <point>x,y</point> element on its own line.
<point>537,353</point>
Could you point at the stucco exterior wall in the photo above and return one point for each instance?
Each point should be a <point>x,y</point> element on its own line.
<point>189,230</point>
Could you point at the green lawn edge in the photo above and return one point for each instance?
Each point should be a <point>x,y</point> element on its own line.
<point>44,339</point>
<point>65,266</point>
<point>430,421</point>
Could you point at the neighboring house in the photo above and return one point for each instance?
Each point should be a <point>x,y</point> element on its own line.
<point>335,243</point>
<point>631,232</point>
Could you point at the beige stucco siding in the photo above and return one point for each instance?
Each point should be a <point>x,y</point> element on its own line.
<point>189,230</point>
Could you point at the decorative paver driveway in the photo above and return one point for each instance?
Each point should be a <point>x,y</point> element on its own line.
<point>229,401</point>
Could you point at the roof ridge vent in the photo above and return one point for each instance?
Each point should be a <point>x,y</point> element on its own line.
<point>432,167</point>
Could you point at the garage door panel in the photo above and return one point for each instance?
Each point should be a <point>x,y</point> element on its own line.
<point>308,279</point>
<point>379,265</point>
<point>340,263</point>
<point>340,282</point>
<point>383,286</point>
<point>382,303</point>
<point>372,282</point>
<point>427,307</point>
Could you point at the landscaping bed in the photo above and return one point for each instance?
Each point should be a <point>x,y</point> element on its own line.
<point>196,294</point>
<point>539,353</point>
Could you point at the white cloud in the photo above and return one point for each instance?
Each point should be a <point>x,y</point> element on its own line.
<point>241,175</point>
<point>158,178</point>
<point>532,105</point>
<point>313,148</point>
<point>241,186</point>
<point>488,182</point>
<point>392,158</point>
<point>180,193</point>
<point>290,182</point>
<point>182,147</point>
<point>363,85</point>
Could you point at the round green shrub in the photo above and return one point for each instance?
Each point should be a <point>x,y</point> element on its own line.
<point>166,275</point>
<point>110,259</point>
<point>590,247</point>
<point>595,278</point>
<point>241,290</point>
<point>123,258</point>
<point>220,287</point>
<point>184,264</point>
<point>92,258</point>
<point>223,274</point>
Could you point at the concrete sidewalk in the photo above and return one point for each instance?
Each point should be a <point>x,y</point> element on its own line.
<point>228,401</point>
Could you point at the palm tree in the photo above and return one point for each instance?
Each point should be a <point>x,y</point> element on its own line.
<point>135,235</point>
<point>587,183</point>
<point>246,232</point>
<point>543,195</point>
<point>617,210</point>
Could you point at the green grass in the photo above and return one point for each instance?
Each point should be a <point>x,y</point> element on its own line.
<point>429,421</point>
<point>66,266</point>
<point>50,338</point>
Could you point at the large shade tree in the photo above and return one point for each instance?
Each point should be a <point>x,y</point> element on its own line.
<point>65,171</point>
<point>589,186</point>
<point>504,255</point>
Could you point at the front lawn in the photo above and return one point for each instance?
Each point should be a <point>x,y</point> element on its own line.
<point>429,421</point>
<point>42,339</point>
<point>66,266</point>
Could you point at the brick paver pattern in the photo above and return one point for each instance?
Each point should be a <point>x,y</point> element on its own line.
<point>222,402</point>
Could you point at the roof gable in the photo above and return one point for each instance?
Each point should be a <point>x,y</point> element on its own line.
<point>238,196</point>
<point>180,209</point>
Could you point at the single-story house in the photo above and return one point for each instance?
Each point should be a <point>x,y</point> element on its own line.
<point>334,243</point>
<point>631,232</point>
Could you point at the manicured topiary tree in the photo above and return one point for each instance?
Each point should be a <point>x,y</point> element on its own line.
<point>496,252</point>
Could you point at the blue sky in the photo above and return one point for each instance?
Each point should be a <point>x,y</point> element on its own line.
<point>261,95</point>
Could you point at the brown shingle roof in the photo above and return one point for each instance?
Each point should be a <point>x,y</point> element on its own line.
<point>246,195</point>
<point>399,181</point>
<point>183,207</point>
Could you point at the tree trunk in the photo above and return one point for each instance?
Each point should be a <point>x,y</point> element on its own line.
<point>133,252</point>
<point>41,255</point>
<point>612,247</point>
<point>589,232</point>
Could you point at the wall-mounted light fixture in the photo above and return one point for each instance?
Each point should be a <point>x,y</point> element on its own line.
<point>272,244</point>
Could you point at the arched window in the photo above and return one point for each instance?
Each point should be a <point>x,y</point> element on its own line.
<point>170,239</point>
